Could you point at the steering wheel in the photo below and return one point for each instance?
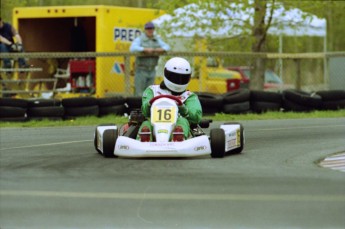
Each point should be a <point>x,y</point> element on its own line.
<point>175,98</point>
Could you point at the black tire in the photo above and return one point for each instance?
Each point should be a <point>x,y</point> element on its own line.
<point>237,96</point>
<point>81,111</point>
<point>46,111</point>
<point>332,95</point>
<point>261,106</point>
<point>236,108</point>
<point>211,103</point>
<point>211,111</point>
<point>217,141</point>
<point>111,101</point>
<point>44,102</point>
<point>95,141</point>
<point>133,103</point>
<point>266,96</point>
<point>11,102</point>
<point>12,112</point>
<point>79,102</point>
<point>95,137</point>
<point>303,98</point>
<point>109,140</point>
<point>115,110</point>
<point>333,105</point>
<point>292,106</point>
<point>13,119</point>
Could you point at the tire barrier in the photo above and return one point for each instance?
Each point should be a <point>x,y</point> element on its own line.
<point>39,109</point>
<point>112,105</point>
<point>132,103</point>
<point>211,103</point>
<point>13,109</point>
<point>332,100</point>
<point>77,107</point>
<point>297,100</point>
<point>263,101</point>
<point>235,102</point>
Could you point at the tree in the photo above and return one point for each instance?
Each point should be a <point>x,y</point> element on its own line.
<point>236,13</point>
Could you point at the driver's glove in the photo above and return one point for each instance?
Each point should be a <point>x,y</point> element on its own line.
<point>13,47</point>
<point>19,47</point>
<point>183,110</point>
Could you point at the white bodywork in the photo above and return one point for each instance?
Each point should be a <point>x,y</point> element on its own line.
<point>232,136</point>
<point>164,113</point>
<point>128,147</point>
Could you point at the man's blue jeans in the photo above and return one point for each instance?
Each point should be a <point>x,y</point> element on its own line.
<point>6,61</point>
<point>143,79</point>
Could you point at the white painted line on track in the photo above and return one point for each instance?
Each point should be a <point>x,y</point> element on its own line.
<point>335,162</point>
<point>176,196</point>
<point>47,144</point>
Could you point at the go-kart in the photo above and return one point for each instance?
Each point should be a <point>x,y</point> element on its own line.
<point>112,140</point>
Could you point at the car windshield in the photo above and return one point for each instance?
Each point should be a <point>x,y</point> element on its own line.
<point>270,76</point>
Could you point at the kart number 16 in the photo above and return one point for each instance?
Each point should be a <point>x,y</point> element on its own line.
<point>164,114</point>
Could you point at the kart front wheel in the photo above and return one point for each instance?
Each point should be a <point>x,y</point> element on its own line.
<point>109,140</point>
<point>95,141</point>
<point>217,140</point>
<point>95,136</point>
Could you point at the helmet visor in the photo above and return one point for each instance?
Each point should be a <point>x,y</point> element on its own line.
<point>176,78</point>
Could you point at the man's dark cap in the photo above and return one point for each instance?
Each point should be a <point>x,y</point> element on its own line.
<point>149,25</point>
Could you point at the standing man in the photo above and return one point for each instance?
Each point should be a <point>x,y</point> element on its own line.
<point>10,41</point>
<point>145,66</point>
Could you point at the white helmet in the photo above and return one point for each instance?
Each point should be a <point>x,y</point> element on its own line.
<point>177,73</point>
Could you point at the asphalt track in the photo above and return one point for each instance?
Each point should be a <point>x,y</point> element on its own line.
<point>53,178</point>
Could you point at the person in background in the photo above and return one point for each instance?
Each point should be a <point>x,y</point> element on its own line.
<point>151,46</point>
<point>10,41</point>
<point>177,75</point>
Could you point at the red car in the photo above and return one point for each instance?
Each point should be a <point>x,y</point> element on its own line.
<point>272,80</point>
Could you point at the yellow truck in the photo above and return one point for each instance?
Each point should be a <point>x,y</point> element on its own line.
<point>96,28</point>
<point>91,28</point>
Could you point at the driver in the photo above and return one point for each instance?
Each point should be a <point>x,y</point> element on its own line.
<point>177,74</point>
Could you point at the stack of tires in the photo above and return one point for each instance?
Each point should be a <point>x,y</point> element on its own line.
<point>13,109</point>
<point>211,103</point>
<point>77,107</point>
<point>133,103</point>
<point>263,101</point>
<point>300,101</point>
<point>39,109</point>
<point>112,105</point>
<point>332,100</point>
<point>236,102</point>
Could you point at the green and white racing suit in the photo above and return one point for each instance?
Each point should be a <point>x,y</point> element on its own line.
<point>189,113</point>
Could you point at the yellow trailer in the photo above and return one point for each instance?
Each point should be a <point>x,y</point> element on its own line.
<point>92,28</point>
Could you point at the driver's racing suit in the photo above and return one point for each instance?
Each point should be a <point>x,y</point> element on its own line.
<point>189,113</point>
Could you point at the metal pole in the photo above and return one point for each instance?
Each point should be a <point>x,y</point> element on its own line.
<point>127,75</point>
<point>298,74</point>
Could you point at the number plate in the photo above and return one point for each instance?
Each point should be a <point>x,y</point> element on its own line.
<point>164,114</point>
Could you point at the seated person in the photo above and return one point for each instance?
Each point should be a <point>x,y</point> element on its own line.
<point>177,74</point>
<point>8,36</point>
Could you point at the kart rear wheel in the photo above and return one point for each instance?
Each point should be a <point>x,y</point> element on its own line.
<point>109,140</point>
<point>217,139</point>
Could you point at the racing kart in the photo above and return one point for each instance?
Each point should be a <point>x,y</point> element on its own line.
<point>112,140</point>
